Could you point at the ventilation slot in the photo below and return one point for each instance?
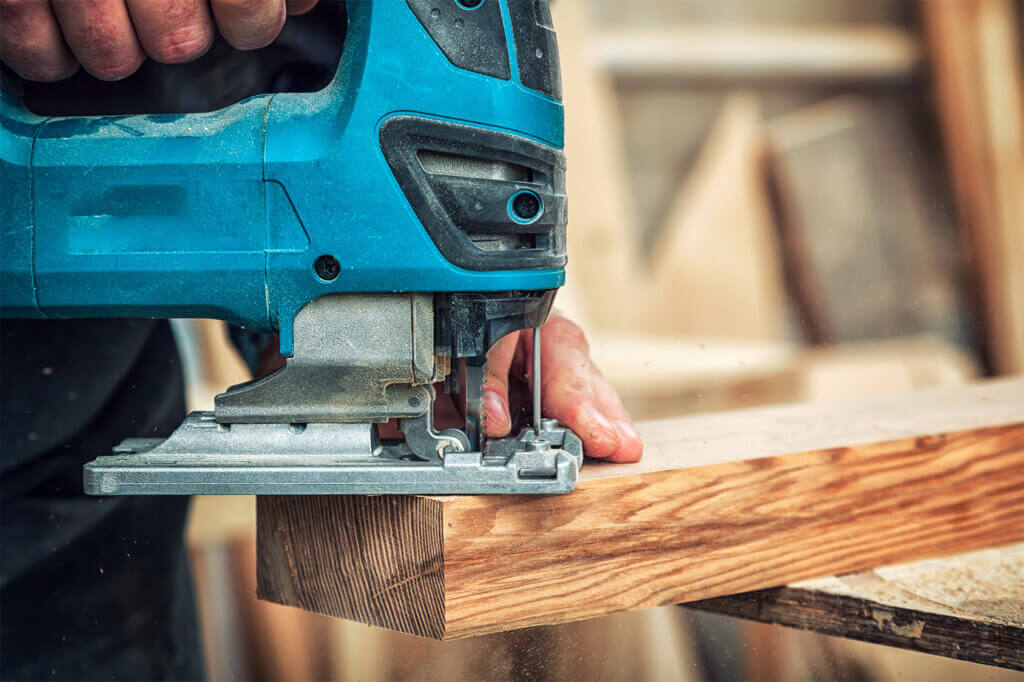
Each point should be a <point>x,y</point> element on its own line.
<point>444,163</point>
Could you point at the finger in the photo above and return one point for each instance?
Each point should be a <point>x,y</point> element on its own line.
<point>172,31</point>
<point>497,416</point>
<point>567,388</point>
<point>300,6</point>
<point>101,36</point>
<point>606,399</point>
<point>631,448</point>
<point>31,43</point>
<point>249,24</point>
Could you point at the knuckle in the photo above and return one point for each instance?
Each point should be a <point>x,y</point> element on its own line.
<point>43,72</point>
<point>242,8</point>
<point>568,332</point>
<point>249,24</point>
<point>58,73</point>
<point>107,49</point>
<point>252,39</point>
<point>113,67</point>
<point>20,32</point>
<point>35,61</point>
<point>15,7</point>
<point>181,45</point>
<point>300,6</point>
<point>257,39</point>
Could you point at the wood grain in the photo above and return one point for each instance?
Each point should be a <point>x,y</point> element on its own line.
<point>370,559</point>
<point>969,607</point>
<point>720,504</point>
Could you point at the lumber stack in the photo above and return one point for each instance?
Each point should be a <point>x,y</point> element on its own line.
<point>721,504</point>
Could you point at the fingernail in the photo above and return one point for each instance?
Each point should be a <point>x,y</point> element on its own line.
<point>627,430</point>
<point>497,413</point>
<point>602,428</point>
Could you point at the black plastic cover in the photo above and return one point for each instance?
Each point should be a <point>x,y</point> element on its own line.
<point>461,212</point>
<point>472,39</point>
<point>469,324</point>
<point>536,46</point>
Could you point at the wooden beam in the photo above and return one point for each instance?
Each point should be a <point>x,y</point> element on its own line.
<point>760,54</point>
<point>975,50</point>
<point>969,607</point>
<point>721,504</point>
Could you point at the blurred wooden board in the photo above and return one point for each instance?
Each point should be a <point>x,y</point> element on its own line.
<point>890,366</point>
<point>975,49</point>
<point>717,241</point>
<point>659,377</point>
<point>863,245</point>
<point>715,266</point>
<point>761,54</point>
<point>720,504</point>
<point>969,606</point>
<point>600,275</point>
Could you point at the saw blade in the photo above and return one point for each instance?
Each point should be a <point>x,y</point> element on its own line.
<point>475,373</point>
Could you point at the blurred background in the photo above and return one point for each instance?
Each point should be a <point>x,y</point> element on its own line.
<point>770,202</point>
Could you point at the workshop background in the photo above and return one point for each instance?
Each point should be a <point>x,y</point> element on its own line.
<point>770,202</point>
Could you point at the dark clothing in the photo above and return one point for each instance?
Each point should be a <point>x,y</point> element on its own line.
<point>98,588</point>
<point>91,588</point>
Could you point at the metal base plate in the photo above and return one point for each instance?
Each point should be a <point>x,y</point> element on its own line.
<point>205,458</point>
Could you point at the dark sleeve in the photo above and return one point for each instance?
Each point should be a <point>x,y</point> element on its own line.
<point>249,345</point>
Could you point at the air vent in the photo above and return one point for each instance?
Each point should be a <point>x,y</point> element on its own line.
<point>460,166</point>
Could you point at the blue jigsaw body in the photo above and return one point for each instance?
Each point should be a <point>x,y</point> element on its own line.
<point>225,214</point>
<point>390,227</point>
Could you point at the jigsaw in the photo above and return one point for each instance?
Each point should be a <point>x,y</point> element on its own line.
<point>390,228</point>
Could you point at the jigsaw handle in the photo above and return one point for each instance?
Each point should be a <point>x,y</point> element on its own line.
<point>247,213</point>
<point>155,216</point>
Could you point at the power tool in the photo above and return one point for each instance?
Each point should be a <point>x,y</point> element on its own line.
<point>390,228</point>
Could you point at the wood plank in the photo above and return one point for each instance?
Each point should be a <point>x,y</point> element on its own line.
<point>863,243</point>
<point>975,50</point>
<point>600,277</point>
<point>969,607</point>
<point>891,366</point>
<point>658,377</point>
<point>761,54</point>
<point>720,504</point>
<point>718,243</point>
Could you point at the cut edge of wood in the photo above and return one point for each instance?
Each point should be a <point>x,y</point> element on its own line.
<point>392,579</point>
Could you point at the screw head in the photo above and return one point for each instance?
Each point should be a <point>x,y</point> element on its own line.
<point>327,268</point>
